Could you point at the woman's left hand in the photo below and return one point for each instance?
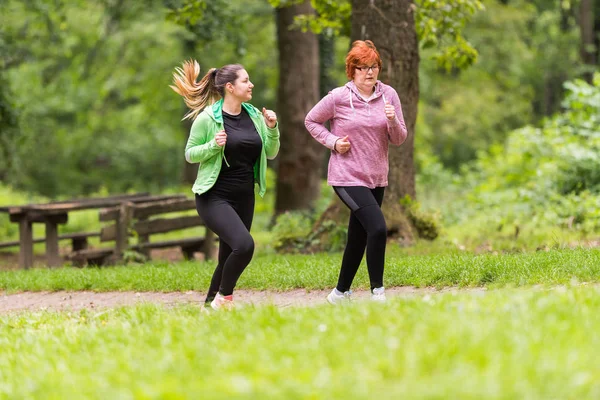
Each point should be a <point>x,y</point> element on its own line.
<point>270,117</point>
<point>390,111</point>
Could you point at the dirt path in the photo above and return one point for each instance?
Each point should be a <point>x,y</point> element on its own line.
<point>65,301</point>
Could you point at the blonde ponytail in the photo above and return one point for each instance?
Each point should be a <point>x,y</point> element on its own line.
<point>198,95</point>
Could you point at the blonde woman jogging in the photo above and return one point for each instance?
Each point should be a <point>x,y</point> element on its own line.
<point>231,140</point>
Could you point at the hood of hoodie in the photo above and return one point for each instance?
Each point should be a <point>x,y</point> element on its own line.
<point>378,89</point>
<point>216,111</point>
<point>353,92</point>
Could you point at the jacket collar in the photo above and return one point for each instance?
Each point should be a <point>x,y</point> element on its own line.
<point>216,111</point>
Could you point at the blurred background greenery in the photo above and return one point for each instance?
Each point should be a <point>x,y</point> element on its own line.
<point>507,136</point>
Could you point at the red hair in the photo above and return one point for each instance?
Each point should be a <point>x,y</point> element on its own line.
<point>361,53</point>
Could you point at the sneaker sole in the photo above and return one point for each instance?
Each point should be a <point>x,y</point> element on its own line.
<point>333,303</point>
<point>339,302</point>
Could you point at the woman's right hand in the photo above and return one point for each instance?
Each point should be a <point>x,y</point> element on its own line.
<point>342,145</point>
<point>221,138</point>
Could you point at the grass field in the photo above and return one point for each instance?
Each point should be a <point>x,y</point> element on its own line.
<point>501,344</point>
<point>533,334</point>
<point>281,272</point>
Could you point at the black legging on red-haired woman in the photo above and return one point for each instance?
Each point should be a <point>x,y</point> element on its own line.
<point>366,230</point>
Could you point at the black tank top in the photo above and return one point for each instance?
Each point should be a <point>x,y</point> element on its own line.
<point>242,150</point>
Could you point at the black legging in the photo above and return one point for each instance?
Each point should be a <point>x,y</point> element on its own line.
<point>230,220</point>
<point>366,229</point>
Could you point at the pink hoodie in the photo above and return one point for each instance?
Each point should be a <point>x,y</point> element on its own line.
<point>367,128</point>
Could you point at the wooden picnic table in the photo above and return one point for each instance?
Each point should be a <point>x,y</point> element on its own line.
<point>56,213</point>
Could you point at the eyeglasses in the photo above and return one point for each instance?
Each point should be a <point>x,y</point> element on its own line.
<point>373,68</point>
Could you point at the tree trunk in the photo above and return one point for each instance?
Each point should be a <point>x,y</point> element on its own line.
<point>326,80</point>
<point>8,130</point>
<point>299,161</point>
<point>326,63</point>
<point>586,27</point>
<point>553,91</point>
<point>390,24</point>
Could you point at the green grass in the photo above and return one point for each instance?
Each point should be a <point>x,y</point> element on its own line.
<point>503,344</point>
<point>281,272</point>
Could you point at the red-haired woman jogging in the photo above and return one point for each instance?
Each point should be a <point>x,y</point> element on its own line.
<point>365,116</point>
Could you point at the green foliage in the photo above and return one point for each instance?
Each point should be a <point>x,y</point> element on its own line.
<point>558,157</point>
<point>8,128</point>
<point>88,84</point>
<point>542,178</point>
<point>332,17</point>
<point>131,257</point>
<point>298,231</point>
<point>284,3</point>
<point>291,231</point>
<point>524,56</point>
<point>440,25</point>
<point>9,122</point>
<point>216,20</point>
<point>266,204</point>
<point>204,17</point>
<point>86,95</point>
<point>426,224</point>
<point>250,41</point>
<point>554,40</point>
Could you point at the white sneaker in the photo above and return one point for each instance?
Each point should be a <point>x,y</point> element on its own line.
<point>335,297</point>
<point>221,302</point>
<point>378,294</point>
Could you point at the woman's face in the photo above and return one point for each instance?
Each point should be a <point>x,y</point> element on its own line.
<point>366,75</point>
<point>242,87</point>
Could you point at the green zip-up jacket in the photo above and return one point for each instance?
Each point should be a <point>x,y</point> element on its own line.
<point>203,149</point>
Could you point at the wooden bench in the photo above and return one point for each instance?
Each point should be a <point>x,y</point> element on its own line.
<point>79,241</point>
<point>134,220</point>
<point>57,213</point>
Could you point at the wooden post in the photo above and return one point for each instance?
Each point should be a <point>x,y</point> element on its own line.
<point>188,253</point>
<point>209,244</point>
<point>144,239</point>
<point>80,243</point>
<point>52,257</point>
<point>25,242</point>
<point>123,220</point>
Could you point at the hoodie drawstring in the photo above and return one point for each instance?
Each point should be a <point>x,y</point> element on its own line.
<point>352,105</point>
<point>223,152</point>
<point>225,158</point>
<point>368,104</point>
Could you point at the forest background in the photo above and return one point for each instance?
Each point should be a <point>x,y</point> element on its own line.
<point>501,100</point>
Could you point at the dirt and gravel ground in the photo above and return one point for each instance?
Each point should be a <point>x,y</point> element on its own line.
<point>74,301</point>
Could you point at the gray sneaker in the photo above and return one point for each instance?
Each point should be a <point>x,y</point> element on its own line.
<point>378,294</point>
<point>335,297</point>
